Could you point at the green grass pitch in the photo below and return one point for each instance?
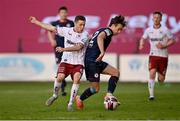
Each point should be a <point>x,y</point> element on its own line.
<point>25,100</point>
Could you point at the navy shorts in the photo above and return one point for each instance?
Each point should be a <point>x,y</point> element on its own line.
<point>94,69</point>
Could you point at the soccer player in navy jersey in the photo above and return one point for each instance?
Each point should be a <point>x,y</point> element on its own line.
<point>57,40</point>
<point>94,66</point>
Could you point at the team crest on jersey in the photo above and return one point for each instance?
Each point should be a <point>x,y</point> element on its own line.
<point>78,36</point>
<point>96,75</point>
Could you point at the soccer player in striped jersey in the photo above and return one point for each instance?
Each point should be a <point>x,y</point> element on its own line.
<point>75,41</point>
<point>160,39</point>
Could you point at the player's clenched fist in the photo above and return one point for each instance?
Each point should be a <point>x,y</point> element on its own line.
<point>59,49</point>
<point>32,19</point>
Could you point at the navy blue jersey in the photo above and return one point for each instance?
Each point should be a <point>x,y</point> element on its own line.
<point>93,51</point>
<point>59,39</point>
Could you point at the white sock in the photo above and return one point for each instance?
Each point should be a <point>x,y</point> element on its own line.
<point>109,94</point>
<point>74,91</point>
<point>56,88</point>
<point>151,87</point>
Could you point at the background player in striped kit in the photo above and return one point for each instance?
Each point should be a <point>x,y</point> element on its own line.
<point>160,38</point>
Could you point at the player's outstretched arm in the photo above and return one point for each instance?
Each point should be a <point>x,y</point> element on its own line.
<point>42,25</point>
<point>76,47</point>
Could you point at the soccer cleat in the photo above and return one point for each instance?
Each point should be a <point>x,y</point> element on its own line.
<point>151,98</point>
<point>79,103</point>
<point>50,101</point>
<point>69,107</point>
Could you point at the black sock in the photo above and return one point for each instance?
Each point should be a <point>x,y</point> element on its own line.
<point>112,84</point>
<point>63,85</point>
<point>87,93</point>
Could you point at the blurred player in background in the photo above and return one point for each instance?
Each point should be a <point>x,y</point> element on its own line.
<point>57,40</point>
<point>94,66</point>
<point>75,41</point>
<point>160,39</point>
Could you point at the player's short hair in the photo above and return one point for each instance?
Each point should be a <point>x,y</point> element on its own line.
<point>118,20</point>
<point>157,12</point>
<point>79,17</point>
<point>63,8</point>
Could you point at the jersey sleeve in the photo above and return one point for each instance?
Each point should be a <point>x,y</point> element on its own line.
<point>145,34</point>
<point>169,34</point>
<point>84,39</point>
<point>61,31</point>
<point>108,32</point>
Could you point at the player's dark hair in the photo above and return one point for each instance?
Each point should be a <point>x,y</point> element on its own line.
<point>63,8</point>
<point>79,17</point>
<point>157,12</point>
<point>118,20</point>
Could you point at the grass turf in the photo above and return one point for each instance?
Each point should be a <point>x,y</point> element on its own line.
<point>25,100</point>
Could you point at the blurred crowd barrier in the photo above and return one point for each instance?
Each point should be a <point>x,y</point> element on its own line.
<point>42,67</point>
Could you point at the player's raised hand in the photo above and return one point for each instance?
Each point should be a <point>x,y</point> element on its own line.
<point>160,46</point>
<point>32,19</point>
<point>99,58</point>
<point>59,49</point>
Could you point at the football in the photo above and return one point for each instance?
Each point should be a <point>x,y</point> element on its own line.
<point>111,102</point>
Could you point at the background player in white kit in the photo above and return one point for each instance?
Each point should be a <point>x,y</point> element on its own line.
<point>160,39</point>
<point>75,41</point>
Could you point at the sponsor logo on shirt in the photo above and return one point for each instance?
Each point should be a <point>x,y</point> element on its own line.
<point>156,39</point>
<point>70,42</point>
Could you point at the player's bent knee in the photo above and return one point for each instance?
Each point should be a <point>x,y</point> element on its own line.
<point>161,79</point>
<point>60,77</point>
<point>76,78</point>
<point>116,73</point>
<point>76,81</point>
<point>152,76</point>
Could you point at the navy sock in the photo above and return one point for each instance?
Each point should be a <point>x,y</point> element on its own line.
<point>87,93</point>
<point>63,85</point>
<point>112,84</point>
